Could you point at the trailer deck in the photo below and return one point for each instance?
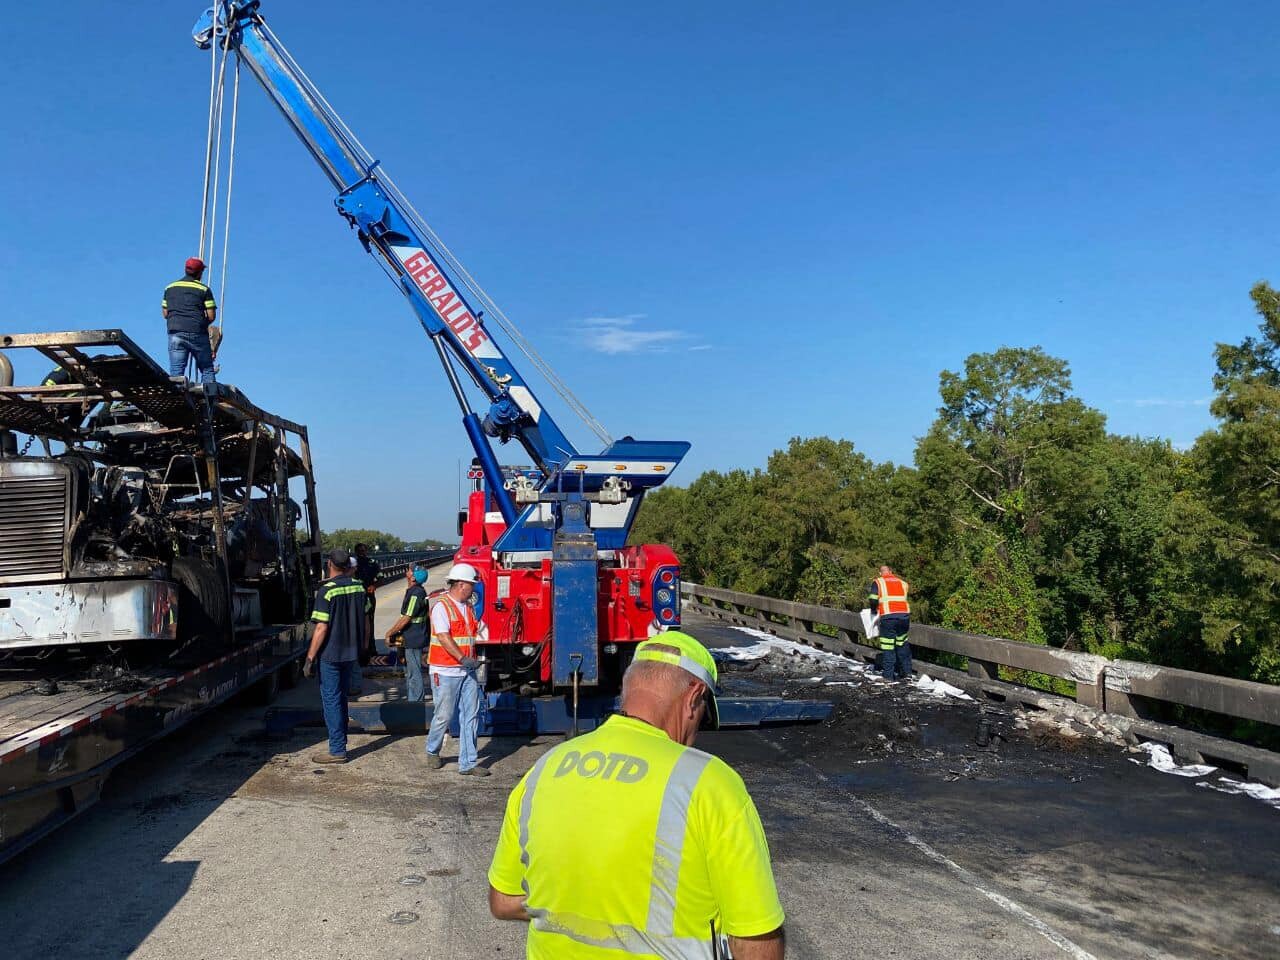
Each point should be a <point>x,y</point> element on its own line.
<point>59,743</point>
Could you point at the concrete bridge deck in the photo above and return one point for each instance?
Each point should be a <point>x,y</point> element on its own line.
<point>893,835</point>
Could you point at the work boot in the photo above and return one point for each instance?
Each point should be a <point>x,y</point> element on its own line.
<point>434,762</point>
<point>329,758</point>
<point>474,772</point>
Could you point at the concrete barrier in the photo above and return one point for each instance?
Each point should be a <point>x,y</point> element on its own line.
<point>1122,688</point>
<point>1129,685</point>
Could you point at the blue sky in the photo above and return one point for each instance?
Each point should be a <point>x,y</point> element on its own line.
<point>731,223</point>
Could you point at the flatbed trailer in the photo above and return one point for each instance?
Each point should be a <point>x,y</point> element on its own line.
<point>149,571</point>
<point>59,744</point>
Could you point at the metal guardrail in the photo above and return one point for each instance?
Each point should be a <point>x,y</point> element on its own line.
<point>393,565</point>
<point>1120,687</point>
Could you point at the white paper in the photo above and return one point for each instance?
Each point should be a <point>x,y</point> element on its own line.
<point>870,624</point>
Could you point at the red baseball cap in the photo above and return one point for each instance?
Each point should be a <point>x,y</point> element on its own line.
<point>195,265</point>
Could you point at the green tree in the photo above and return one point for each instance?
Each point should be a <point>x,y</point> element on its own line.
<point>1009,471</point>
<point>1239,467</point>
<point>347,539</point>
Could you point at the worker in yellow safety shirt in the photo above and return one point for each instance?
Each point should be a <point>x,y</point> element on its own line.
<point>629,840</point>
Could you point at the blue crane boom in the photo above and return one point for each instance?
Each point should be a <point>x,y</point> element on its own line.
<point>391,231</point>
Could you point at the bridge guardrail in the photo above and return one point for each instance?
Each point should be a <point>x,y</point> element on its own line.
<point>1119,687</point>
<point>393,565</point>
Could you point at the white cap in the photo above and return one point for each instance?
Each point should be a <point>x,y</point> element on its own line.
<point>463,572</point>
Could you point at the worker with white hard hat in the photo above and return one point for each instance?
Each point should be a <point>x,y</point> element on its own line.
<point>452,664</point>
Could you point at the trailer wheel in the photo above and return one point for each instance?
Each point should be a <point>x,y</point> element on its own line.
<point>266,689</point>
<point>290,674</point>
<point>203,610</point>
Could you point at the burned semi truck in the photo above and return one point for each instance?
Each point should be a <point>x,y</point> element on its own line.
<point>154,519</point>
<point>158,548</point>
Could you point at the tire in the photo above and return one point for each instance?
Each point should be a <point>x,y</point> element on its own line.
<point>266,689</point>
<point>290,674</point>
<point>204,613</point>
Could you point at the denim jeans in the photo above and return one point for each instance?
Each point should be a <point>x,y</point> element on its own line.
<point>335,677</point>
<point>194,344</point>
<point>413,675</point>
<point>355,686</point>
<point>461,694</point>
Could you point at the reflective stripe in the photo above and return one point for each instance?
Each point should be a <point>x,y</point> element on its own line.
<point>668,844</point>
<point>886,643</point>
<point>618,936</point>
<point>192,284</point>
<point>413,605</point>
<point>319,617</point>
<point>460,618</point>
<point>668,853</point>
<point>208,304</point>
<point>892,600</point>
<point>679,660</point>
<point>343,591</point>
<point>526,808</point>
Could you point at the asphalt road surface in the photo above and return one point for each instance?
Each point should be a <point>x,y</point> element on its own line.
<point>892,834</point>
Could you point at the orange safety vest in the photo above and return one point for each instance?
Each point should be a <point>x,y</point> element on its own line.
<point>892,591</point>
<point>462,628</point>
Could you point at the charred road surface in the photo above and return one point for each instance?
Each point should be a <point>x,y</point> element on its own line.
<point>893,835</point>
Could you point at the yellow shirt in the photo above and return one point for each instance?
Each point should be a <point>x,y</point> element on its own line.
<point>623,840</point>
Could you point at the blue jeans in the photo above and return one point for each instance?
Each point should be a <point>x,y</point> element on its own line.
<point>356,684</point>
<point>182,345</point>
<point>461,694</point>
<point>413,675</point>
<point>335,677</point>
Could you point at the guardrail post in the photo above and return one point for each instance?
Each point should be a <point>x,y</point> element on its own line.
<point>984,669</point>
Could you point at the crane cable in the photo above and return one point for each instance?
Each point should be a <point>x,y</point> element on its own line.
<point>213,172</point>
<point>438,246</point>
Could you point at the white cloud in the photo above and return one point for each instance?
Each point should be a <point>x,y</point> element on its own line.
<point>614,335</point>
<point>1166,402</point>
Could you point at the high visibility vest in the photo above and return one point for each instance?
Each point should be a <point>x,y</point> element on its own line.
<point>462,628</point>
<point>625,842</point>
<point>892,591</point>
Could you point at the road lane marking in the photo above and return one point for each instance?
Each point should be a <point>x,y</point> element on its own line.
<point>967,876</point>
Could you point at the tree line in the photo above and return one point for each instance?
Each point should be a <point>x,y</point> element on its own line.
<point>378,541</point>
<point>1022,517</point>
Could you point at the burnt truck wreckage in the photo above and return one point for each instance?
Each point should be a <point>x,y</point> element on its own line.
<point>164,526</point>
<point>152,565</point>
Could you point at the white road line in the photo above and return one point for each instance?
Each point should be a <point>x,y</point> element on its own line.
<point>969,878</point>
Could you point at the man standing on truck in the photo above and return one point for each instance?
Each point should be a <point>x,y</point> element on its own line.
<point>189,309</point>
<point>340,617</point>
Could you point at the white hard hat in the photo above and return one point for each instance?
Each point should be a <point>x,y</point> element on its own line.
<point>463,572</point>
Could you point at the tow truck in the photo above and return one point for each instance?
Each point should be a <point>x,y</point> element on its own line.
<point>565,596</point>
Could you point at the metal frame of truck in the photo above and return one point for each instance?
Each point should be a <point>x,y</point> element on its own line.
<point>60,740</point>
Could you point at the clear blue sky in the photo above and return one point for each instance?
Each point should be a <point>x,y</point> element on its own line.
<point>731,223</point>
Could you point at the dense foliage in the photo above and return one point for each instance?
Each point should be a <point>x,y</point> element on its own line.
<point>1023,517</point>
<point>377,541</point>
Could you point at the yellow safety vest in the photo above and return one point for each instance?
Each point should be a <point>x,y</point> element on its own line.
<point>624,840</point>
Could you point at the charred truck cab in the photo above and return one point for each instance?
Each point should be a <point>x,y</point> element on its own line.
<point>161,526</point>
